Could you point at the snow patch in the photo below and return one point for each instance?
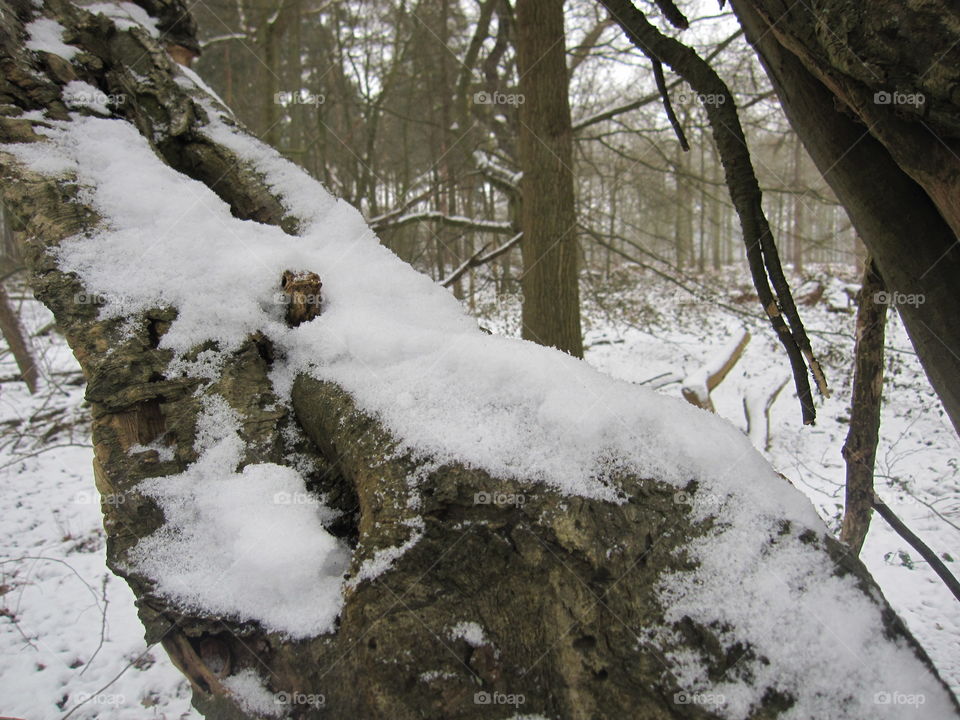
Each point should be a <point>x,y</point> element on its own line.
<point>46,35</point>
<point>189,79</point>
<point>231,545</point>
<point>164,453</point>
<point>252,695</point>
<point>471,632</point>
<point>126,16</point>
<point>79,94</point>
<point>815,626</point>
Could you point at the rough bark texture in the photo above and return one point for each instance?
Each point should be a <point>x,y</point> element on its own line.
<point>893,164</point>
<point>562,611</point>
<point>551,295</point>
<point>860,448</point>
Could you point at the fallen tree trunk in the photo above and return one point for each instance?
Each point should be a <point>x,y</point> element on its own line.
<point>323,516</point>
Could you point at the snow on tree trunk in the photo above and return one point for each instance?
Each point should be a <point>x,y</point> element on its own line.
<point>378,510</point>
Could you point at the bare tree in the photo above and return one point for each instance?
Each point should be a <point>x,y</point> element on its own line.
<point>551,293</point>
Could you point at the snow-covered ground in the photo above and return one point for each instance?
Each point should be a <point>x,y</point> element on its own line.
<point>69,627</point>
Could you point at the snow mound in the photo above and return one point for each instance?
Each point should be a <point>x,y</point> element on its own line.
<point>249,692</point>
<point>235,543</point>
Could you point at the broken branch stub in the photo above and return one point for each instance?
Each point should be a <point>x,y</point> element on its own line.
<point>301,290</point>
<point>698,385</point>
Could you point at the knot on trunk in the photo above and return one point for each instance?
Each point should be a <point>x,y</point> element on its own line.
<point>302,289</point>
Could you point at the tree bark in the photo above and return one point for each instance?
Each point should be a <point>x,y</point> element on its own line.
<point>860,447</point>
<point>18,342</point>
<point>551,294</point>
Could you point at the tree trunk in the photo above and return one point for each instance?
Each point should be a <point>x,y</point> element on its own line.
<point>551,295</point>
<point>18,342</point>
<point>860,448</point>
<point>567,590</point>
<point>799,228</point>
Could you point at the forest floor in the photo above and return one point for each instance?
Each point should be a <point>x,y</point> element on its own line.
<point>68,627</point>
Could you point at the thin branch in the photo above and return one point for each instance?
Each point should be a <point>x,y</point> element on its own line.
<point>458,221</point>
<point>761,251</point>
<point>590,40</point>
<point>103,623</point>
<point>921,547</point>
<point>698,294</point>
<point>222,38</point>
<point>673,14</point>
<point>115,678</point>
<point>610,113</point>
<point>478,258</point>
<point>667,105</point>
